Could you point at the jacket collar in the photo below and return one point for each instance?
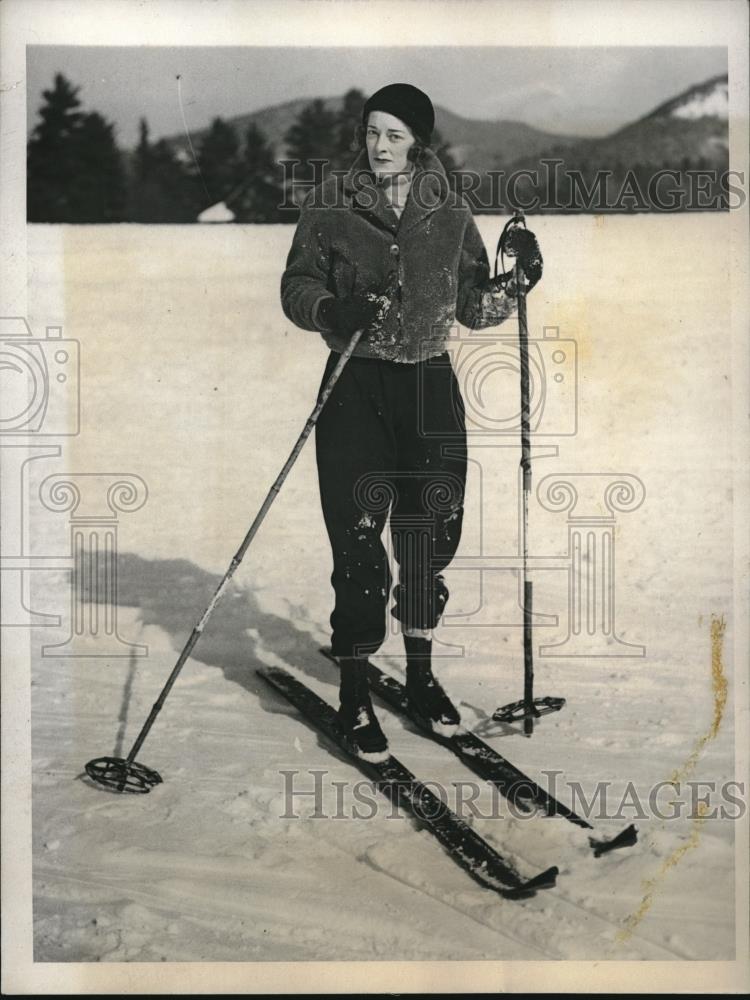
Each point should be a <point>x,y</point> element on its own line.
<point>429,189</point>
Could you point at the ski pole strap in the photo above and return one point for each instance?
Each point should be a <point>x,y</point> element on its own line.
<point>517,219</point>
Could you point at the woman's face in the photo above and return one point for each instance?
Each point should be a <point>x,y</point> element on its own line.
<point>388,142</point>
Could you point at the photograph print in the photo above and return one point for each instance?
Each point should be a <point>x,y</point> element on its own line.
<point>371,508</point>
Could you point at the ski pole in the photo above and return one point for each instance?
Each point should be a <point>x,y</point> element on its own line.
<point>530,711</point>
<point>529,708</point>
<point>126,774</point>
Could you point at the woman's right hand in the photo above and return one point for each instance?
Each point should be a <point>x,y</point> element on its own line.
<point>358,312</point>
<point>345,316</point>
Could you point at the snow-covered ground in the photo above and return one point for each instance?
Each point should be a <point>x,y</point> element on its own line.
<point>192,379</point>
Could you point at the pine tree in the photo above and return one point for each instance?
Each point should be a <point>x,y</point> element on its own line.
<point>75,170</point>
<point>181,197</point>
<point>143,196</point>
<point>258,155</point>
<point>142,152</point>
<point>161,189</point>
<point>50,162</point>
<point>349,118</point>
<point>97,193</point>
<point>259,194</point>
<point>312,137</point>
<point>219,161</point>
<point>442,150</point>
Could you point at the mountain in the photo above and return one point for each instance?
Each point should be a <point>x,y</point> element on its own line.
<point>692,127</point>
<point>652,163</point>
<point>709,99</point>
<point>487,145</point>
<point>475,144</point>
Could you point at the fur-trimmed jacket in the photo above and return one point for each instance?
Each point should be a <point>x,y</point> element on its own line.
<point>349,241</point>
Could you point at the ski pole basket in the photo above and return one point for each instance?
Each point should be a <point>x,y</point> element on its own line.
<point>517,710</point>
<point>121,775</point>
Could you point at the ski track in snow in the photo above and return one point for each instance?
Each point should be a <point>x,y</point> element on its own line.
<point>206,867</point>
<point>196,892</point>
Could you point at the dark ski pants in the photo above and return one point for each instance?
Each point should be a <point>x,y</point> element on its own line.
<point>390,442</point>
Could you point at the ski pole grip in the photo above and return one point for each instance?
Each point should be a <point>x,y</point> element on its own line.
<point>517,219</point>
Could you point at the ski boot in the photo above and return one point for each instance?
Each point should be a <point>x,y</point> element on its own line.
<point>427,696</point>
<point>356,714</point>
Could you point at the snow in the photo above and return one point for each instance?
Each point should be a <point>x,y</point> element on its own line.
<point>713,102</point>
<point>192,379</point>
<point>216,213</point>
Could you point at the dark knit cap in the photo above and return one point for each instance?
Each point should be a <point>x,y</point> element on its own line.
<point>408,103</point>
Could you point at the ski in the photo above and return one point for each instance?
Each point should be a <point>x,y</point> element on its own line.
<point>467,848</point>
<point>488,764</point>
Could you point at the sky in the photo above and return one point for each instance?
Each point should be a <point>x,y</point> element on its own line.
<point>586,91</point>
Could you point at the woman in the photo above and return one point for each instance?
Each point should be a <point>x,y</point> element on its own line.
<point>390,250</point>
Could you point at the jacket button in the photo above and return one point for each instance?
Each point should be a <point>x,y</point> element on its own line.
<point>394,250</point>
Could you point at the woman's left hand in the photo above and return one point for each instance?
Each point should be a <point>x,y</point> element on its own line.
<point>524,246</point>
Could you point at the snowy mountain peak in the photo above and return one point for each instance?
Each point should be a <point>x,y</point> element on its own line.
<point>706,100</point>
<point>699,103</point>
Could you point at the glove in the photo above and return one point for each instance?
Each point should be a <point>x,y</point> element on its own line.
<point>522,244</point>
<point>505,282</point>
<point>345,316</point>
<point>359,312</point>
